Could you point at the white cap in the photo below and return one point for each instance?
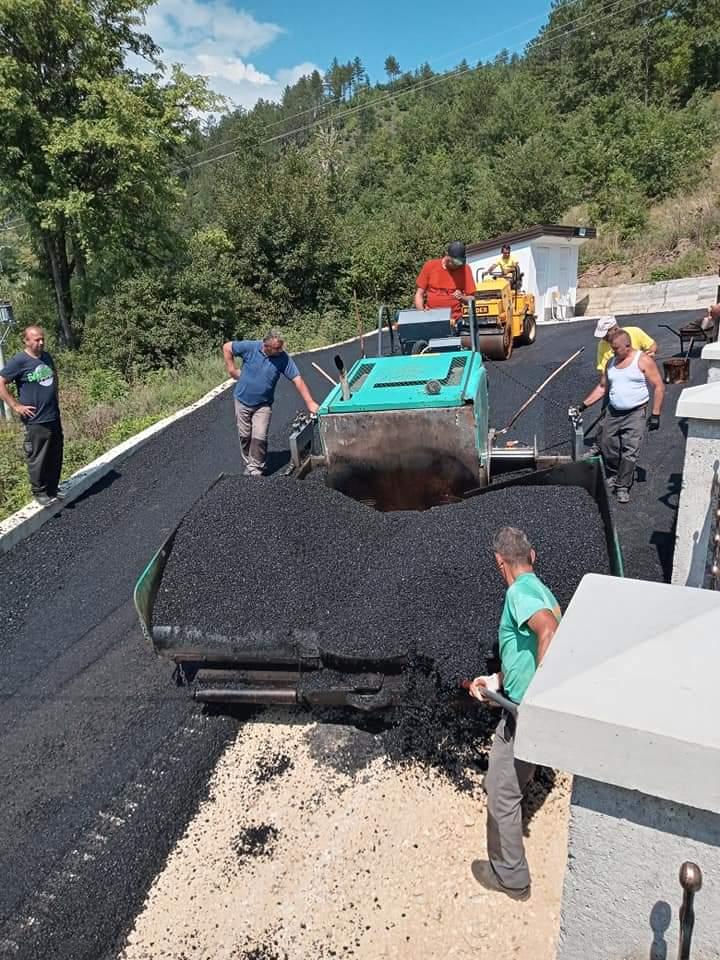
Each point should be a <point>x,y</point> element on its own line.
<point>604,324</point>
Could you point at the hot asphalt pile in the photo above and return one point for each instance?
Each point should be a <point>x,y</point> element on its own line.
<point>294,565</point>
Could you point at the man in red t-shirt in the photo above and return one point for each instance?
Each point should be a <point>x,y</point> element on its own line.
<point>444,282</point>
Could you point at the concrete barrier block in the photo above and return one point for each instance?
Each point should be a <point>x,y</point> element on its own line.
<point>599,706</point>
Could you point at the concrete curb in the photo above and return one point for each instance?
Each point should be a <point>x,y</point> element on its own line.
<point>31,517</point>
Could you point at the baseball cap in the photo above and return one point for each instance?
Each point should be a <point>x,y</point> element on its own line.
<point>456,250</point>
<point>603,325</point>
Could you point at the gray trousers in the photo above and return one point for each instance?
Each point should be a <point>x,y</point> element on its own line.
<point>43,448</point>
<point>620,442</point>
<point>253,424</point>
<point>505,782</point>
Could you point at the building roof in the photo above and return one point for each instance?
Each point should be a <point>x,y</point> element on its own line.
<point>532,233</point>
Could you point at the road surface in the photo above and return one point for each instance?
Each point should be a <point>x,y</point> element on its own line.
<point>103,762</point>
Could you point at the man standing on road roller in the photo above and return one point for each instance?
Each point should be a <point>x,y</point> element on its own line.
<point>264,362</point>
<point>529,620</point>
<point>625,382</point>
<point>445,282</point>
<point>35,377</point>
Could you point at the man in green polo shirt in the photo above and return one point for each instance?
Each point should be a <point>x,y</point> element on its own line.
<point>529,620</point>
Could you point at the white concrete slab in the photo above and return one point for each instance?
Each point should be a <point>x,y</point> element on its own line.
<point>701,402</point>
<point>628,693</point>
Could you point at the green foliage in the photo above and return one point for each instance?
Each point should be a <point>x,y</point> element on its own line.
<point>88,143</point>
<point>607,112</point>
<point>14,483</point>
<point>622,203</point>
<point>130,426</point>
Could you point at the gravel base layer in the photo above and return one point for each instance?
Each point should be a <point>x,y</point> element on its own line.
<point>366,865</point>
<point>103,762</point>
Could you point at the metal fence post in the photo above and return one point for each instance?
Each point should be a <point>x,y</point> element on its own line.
<point>7,321</point>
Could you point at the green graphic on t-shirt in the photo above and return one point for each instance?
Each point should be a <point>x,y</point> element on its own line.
<point>42,374</point>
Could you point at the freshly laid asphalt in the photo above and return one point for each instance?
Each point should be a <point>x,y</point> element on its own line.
<point>102,759</point>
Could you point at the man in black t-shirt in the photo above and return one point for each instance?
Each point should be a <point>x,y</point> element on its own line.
<point>33,373</point>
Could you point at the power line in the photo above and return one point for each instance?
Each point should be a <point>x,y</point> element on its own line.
<point>329,103</point>
<point>437,59</point>
<point>557,34</point>
<point>10,224</point>
<point>424,84</point>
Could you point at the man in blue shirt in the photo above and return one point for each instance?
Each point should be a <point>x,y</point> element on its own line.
<point>264,362</point>
<point>33,373</point>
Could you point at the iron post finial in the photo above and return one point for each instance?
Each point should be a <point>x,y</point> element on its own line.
<point>690,877</point>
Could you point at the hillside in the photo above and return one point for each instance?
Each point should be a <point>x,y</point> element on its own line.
<point>681,239</point>
<point>146,239</point>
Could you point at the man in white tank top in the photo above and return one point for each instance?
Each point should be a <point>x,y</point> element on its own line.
<point>627,380</point>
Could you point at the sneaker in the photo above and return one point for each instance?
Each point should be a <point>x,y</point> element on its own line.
<point>622,494</point>
<point>58,495</point>
<point>43,499</point>
<point>485,875</point>
<point>611,484</point>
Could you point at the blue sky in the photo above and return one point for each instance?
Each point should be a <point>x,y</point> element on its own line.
<point>250,50</point>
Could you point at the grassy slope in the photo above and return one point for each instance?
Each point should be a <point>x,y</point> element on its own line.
<point>682,239</point>
<point>100,413</point>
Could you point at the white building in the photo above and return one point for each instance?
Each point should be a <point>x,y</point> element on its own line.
<point>548,257</point>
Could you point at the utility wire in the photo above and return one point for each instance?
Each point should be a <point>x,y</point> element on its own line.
<point>555,35</point>
<point>328,103</point>
<point>423,84</point>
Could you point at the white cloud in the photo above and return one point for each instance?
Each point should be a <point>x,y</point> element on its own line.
<point>214,40</point>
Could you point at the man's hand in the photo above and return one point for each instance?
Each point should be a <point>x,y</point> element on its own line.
<point>654,421</point>
<point>233,373</point>
<point>491,682</point>
<point>458,294</point>
<point>313,407</point>
<point>23,410</point>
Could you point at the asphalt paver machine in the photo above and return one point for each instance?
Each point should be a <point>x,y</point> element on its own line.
<point>397,432</point>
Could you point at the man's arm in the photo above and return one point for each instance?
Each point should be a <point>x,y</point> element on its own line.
<point>20,408</point>
<point>543,624</point>
<point>302,389</point>
<point>420,298</point>
<point>597,393</point>
<point>229,358</point>
<point>652,374</point>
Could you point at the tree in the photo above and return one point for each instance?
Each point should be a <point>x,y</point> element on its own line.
<point>88,144</point>
<point>359,74</point>
<point>392,68</point>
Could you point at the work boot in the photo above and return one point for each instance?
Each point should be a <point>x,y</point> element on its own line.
<point>622,494</point>
<point>483,872</point>
<point>611,484</point>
